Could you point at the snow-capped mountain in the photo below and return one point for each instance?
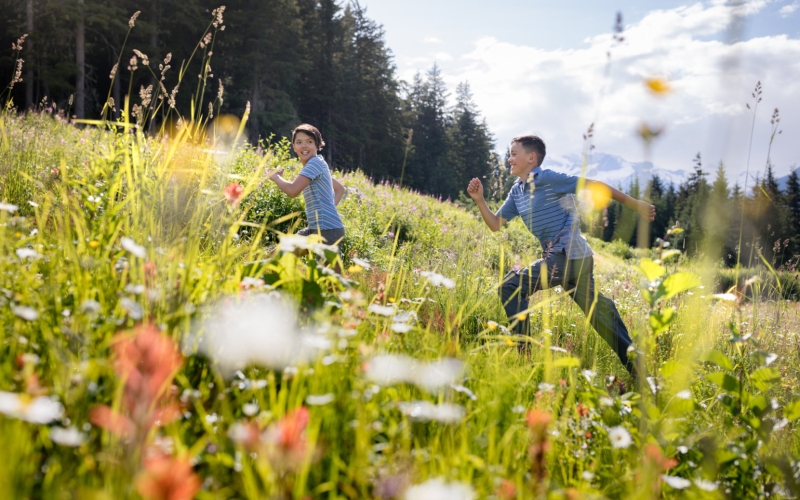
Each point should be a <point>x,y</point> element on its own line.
<point>612,169</point>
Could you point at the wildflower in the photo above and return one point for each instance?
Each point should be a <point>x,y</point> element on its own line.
<point>392,369</point>
<point>492,325</point>
<point>27,253</point>
<point>355,269</point>
<point>401,327</point>
<point>217,15</point>
<point>438,489</point>
<point>8,207</point>
<point>132,21</point>
<point>261,329</point>
<point>150,272</point>
<point>249,282</point>
<point>319,400</point>
<point>167,478</point>
<point>361,262</point>
<point>131,246</point>
<point>67,437</point>
<point>588,476</point>
<point>25,312</point>
<point>727,297</point>
<point>657,86</point>
<point>685,394</point>
<point>705,484</point>
<point>286,440</point>
<point>507,490</point>
<point>619,437</point>
<point>538,420</point>
<point>245,434</point>
<point>545,387</point>
<point>436,279</point>
<point>250,409</point>
<point>521,316</point>
<point>391,486</point>
<point>381,310</point>
<point>18,46</point>
<point>293,242</point>
<point>113,71</point>
<point>233,193</point>
<point>647,133</point>
<point>133,63</point>
<point>147,361</point>
<point>423,411</point>
<point>676,482</point>
<point>654,456</point>
<point>39,410</point>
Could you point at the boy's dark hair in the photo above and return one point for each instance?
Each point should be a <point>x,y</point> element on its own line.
<point>532,143</point>
<point>312,131</point>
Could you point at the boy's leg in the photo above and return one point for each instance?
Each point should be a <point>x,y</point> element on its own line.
<point>604,315</point>
<point>518,286</point>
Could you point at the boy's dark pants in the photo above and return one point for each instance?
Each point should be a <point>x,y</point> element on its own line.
<point>577,278</point>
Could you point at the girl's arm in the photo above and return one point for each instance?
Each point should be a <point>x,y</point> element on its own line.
<point>292,189</point>
<point>338,191</point>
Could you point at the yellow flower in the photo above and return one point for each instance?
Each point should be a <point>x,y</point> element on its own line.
<point>94,244</point>
<point>391,299</point>
<point>509,342</point>
<point>354,269</point>
<point>492,325</point>
<point>657,85</point>
<point>521,316</point>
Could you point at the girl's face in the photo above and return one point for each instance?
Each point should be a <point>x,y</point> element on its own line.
<point>304,146</point>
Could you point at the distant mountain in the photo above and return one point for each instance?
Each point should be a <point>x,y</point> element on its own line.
<point>613,170</point>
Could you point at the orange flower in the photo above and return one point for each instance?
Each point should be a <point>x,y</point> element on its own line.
<point>653,455</point>
<point>233,193</point>
<point>538,421</point>
<point>167,478</point>
<point>507,490</point>
<point>150,272</point>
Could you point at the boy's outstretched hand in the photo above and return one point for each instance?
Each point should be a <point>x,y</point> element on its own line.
<point>646,210</point>
<point>475,189</point>
<point>272,173</point>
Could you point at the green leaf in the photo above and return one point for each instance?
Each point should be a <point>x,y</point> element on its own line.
<point>650,269</point>
<point>716,357</point>
<point>660,321</point>
<point>758,405</point>
<point>567,362</point>
<point>791,412</point>
<point>723,380</point>
<point>677,283</point>
<point>670,368</point>
<point>765,378</point>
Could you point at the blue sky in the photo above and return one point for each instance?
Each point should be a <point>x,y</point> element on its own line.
<point>537,67</point>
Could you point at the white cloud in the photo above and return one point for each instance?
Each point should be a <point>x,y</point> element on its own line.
<point>431,39</point>
<point>788,10</point>
<point>443,56</point>
<point>558,93</point>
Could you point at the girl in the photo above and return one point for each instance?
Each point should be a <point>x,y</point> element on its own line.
<point>321,192</point>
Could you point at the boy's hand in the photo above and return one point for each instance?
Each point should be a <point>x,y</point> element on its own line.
<point>475,189</point>
<point>646,210</point>
<point>271,175</point>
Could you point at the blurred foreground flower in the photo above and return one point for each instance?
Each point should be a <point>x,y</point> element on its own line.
<point>538,421</point>
<point>292,242</point>
<point>437,279</point>
<point>132,247</point>
<point>285,441</point>
<point>259,329</point>
<point>619,437</point>
<point>147,361</point>
<point>67,437</point>
<point>167,478</point>
<point>40,410</point>
<point>438,489</point>
<point>423,411</point>
<point>389,369</point>
<point>233,193</point>
<point>657,86</point>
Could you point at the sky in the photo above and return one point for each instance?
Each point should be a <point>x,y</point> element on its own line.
<point>544,68</point>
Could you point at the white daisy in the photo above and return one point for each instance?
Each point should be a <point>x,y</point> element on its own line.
<point>130,246</point>
<point>619,437</point>
<point>67,437</point>
<point>676,482</point>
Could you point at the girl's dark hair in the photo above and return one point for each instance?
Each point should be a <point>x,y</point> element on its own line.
<point>310,130</point>
<point>532,144</point>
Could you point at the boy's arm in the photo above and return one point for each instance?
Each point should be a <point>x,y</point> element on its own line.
<point>338,191</point>
<point>642,207</point>
<point>292,189</point>
<point>475,191</point>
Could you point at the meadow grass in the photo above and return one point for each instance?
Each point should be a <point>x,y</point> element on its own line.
<point>121,259</point>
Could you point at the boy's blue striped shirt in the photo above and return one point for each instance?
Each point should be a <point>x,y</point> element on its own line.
<point>547,206</point>
<point>320,208</point>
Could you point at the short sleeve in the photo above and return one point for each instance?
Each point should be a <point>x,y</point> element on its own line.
<point>313,169</point>
<point>561,183</point>
<point>509,209</point>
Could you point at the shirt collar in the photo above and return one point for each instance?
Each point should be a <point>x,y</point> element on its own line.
<point>531,176</point>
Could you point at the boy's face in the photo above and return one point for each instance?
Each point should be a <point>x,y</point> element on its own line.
<point>521,161</point>
<point>304,146</point>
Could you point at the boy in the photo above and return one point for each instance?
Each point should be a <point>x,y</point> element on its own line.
<point>544,199</point>
<point>321,192</point>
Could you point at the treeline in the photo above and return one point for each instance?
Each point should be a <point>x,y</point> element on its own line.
<point>319,61</point>
<point>717,219</point>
